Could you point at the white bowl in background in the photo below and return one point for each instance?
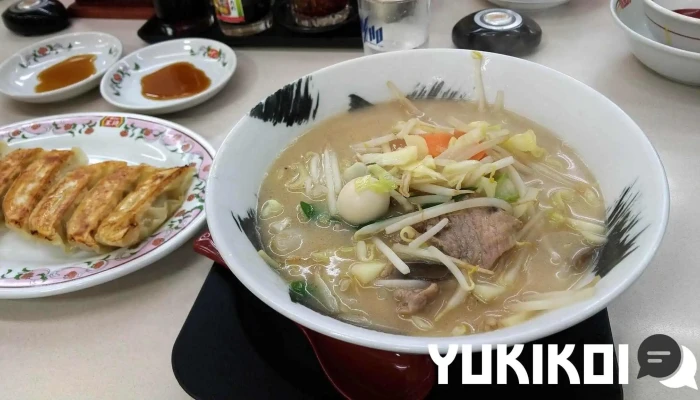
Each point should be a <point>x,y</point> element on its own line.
<point>121,85</point>
<point>676,64</point>
<point>529,4</point>
<point>18,73</point>
<point>592,125</point>
<point>671,28</point>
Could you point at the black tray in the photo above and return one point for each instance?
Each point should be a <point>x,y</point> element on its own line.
<point>234,346</point>
<point>345,36</point>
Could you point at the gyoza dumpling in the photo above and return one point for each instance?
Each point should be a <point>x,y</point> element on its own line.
<point>47,221</point>
<point>142,212</point>
<point>35,181</point>
<point>104,198</point>
<point>10,168</point>
<point>4,148</point>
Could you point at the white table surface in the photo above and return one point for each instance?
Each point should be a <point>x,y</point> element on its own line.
<point>114,341</point>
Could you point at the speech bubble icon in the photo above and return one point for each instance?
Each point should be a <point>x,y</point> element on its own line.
<point>686,373</point>
<point>658,356</point>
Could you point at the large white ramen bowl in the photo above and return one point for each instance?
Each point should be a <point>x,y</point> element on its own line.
<point>626,165</point>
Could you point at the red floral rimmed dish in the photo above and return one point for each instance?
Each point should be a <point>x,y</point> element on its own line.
<point>28,269</point>
<point>121,85</point>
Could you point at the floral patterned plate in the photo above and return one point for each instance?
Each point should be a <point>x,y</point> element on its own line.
<point>18,73</point>
<point>121,85</point>
<point>28,269</point>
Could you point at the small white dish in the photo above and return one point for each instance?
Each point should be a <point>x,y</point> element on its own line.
<point>671,28</point>
<point>529,4</point>
<point>121,86</point>
<point>18,73</point>
<point>28,269</point>
<point>675,64</point>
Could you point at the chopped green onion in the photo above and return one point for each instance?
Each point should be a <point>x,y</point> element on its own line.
<point>307,209</point>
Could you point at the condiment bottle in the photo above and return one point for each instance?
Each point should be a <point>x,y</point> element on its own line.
<point>243,17</point>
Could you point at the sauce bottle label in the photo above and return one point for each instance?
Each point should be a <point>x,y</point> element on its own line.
<point>230,11</point>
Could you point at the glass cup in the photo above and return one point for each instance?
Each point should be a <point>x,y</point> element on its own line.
<point>390,25</point>
<point>320,13</point>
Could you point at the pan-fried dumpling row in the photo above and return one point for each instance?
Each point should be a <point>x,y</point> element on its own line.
<point>34,182</point>
<point>50,215</point>
<point>11,166</point>
<point>54,197</point>
<point>146,208</point>
<point>104,198</point>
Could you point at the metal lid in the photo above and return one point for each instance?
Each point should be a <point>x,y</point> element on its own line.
<point>28,5</point>
<point>498,19</point>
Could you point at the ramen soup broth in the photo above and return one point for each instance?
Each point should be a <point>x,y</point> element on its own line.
<point>553,256</point>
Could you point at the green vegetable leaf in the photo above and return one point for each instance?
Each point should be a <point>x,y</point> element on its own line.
<point>380,173</point>
<point>506,190</point>
<point>297,288</point>
<point>307,294</point>
<point>369,182</point>
<point>307,209</point>
<point>525,142</point>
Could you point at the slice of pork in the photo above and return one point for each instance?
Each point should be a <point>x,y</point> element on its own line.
<point>412,301</point>
<point>476,235</point>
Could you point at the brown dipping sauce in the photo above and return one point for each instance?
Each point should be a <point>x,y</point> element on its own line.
<point>175,81</point>
<point>66,73</point>
<point>689,12</point>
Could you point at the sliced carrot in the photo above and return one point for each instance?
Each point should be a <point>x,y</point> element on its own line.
<point>478,156</point>
<point>437,143</point>
<point>457,133</point>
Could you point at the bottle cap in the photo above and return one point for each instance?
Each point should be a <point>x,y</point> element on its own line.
<point>497,30</point>
<point>498,19</point>
<point>36,17</point>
